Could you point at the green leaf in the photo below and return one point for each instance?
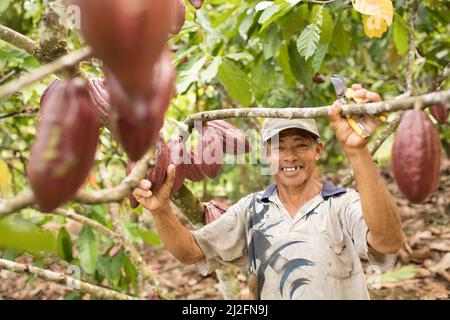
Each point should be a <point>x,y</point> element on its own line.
<point>239,56</point>
<point>211,72</point>
<point>318,58</point>
<point>271,42</point>
<point>268,13</point>
<point>245,26</point>
<point>64,245</point>
<point>88,250</point>
<point>308,40</point>
<point>283,60</point>
<point>4,4</point>
<point>30,63</point>
<point>400,35</point>
<point>151,237</point>
<point>400,274</point>
<point>236,82</point>
<point>301,69</point>
<point>189,76</point>
<point>283,8</point>
<point>131,231</point>
<point>341,38</point>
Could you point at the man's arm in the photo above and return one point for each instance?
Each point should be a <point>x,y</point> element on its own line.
<point>379,210</point>
<point>177,239</point>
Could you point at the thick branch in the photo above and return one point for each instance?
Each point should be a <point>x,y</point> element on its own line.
<point>61,278</point>
<point>319,112</point>
<point>189,205</point>
<point>67,61</point>
<point>53,32</point>
<point>117,193</point>
<point>17,39</point>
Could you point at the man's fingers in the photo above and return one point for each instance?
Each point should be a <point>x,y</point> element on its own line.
<point>145,184</point>
<point>361,93</point>
<point>373,96</point>
<point>335,111</point>
<point>141,193</point>
<point>356,86</point>
<point>168,183</point>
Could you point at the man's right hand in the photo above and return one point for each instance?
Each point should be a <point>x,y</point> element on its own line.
<point>160,200</point>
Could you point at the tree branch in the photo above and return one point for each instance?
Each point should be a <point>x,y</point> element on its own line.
<point>17,39</point>
<point>64,279</point>
<point>320,112</point>
<point>66,61</point>
<point>117,193</point>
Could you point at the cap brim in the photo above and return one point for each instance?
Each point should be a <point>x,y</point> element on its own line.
<point>277,131</point>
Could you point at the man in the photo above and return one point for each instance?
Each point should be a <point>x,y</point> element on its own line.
<point>301,238</point>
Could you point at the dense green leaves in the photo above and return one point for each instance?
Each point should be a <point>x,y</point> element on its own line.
<point>236,82</point>
<point>88,250</point>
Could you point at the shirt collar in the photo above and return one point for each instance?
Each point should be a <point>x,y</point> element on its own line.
<point>328,190</point>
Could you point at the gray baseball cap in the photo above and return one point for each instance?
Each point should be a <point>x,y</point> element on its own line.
<point>273,126</point>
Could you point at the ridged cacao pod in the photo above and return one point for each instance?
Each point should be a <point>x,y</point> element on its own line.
<point>99,94</point>
<point>64,150</point>
<point>214,210</point>
<point>136,122</point>
<point>194,169</point>
<point>178,156</point>
<point>210,151</point>
<point>439,112</point>
<point>197,3</point>
<point>416,156</point>
<point>157,174</point>
<point>234,140</point>
<point>128,36</point>
<point>47,91</point>
<point>180,16</point>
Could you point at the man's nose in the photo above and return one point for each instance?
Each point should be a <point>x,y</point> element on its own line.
<point>290,155</point>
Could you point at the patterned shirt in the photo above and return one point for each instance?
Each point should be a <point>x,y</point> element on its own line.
<point>315,255</point>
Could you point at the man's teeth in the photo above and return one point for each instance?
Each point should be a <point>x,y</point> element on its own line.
<point>291,169</point>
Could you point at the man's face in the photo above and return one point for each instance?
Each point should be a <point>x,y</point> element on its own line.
<point>296,154</point>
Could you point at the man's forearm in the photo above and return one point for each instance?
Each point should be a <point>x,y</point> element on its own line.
<point>379,209</point>
<point>177,239</point>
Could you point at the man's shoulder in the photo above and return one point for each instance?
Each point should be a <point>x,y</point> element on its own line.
<point>248,200</point>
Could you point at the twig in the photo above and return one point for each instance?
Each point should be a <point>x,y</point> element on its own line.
<point>117,193</point>
<point>373,108</point>
<point>86,221</point>
<point>64,62</point>
<point>411,47</point>
<point>17,39</point>
<point>64,279</point>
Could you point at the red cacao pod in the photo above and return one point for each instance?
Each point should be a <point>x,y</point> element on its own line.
<point>100,96</point>
<point>157,174</point>
<point>194,169</point>
<point>178,156</point>
<point>136,122</point>
<point>234,140</point>
<point>64,150</point>
<point>439,112</point>
<point>128,36</point>
<point>197,3</point>
<point>180,16</point>
<point>214,210</point>
<point>416,156</point>
<point>210,151</point>
<point>47,91</point>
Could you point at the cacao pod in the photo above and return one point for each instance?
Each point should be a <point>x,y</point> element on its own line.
<point>234,140</point>
<point>214,210</point>
<point>197,3</point>
<point>100,96</point>
<point>136,122</point>
<point>47,91</point>
<point>155,175</point>
<point>128,36</point>
<point>439,112</point>
<point>178,156</point>
<point>180,16</point>
<point>194,169</point>
<point>416,156</point>
<point>64,150</point>
<point>210,151</point>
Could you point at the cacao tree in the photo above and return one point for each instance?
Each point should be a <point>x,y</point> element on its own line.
<point>137,81</point>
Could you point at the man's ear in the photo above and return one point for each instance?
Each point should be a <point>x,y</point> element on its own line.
<point>319,149</point>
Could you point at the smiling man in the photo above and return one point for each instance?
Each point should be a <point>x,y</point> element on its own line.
<point>301,238</point>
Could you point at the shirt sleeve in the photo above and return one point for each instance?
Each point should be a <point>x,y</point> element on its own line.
<point>223,242</point>
<point>356,227</point>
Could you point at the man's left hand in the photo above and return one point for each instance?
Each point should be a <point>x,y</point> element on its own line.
<point>348,138</point>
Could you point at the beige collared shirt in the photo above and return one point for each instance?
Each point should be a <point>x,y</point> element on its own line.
<point>315,255</point>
